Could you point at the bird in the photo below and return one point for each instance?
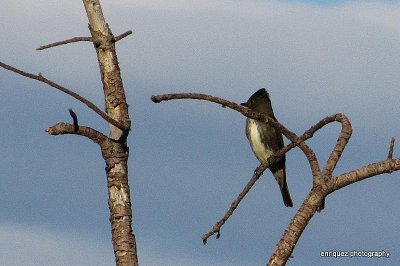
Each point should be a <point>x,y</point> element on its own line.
<point>266,140</point>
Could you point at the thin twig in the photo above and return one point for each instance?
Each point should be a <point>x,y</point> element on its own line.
<point>390,154</point>
<point>72,40</point>
<point>80,39</point>
<point>69,92</point>
<point>217,227</point>
<point>123,35</point>
<point>75,119</point>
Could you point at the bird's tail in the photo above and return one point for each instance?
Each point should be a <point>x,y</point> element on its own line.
<point>287,200</point>
<point>280,177</point>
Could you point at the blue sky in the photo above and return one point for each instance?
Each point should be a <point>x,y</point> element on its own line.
<point>338,2</point>
<point>320,2</point>
<point>190,159</point>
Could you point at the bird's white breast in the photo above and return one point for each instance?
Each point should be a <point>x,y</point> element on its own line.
<point>256,144</point>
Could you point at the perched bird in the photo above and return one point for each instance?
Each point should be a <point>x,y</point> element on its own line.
<point>266,140</point>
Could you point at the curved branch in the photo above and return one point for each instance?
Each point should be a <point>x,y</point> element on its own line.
<point>324,183</point>
<point>197,96</point>
<point>65,128</point>
<point>80,39</point>
<point>75,119</point>
<point>259,171</point>
<point>70,93</point>
<point>309,153</point>
<point>295,141</point>
<point>341,143</point>
<point>315,198</point>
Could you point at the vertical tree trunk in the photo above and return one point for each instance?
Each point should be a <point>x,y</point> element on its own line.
<point>115,151</point>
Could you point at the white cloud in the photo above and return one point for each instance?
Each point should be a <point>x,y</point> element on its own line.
<point>31,246</point>
<point>310,53</point>
<point>383,15</point>
<point>35,246</point>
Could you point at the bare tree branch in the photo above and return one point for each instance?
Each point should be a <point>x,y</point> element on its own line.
<point>70,93</point>
<point>114,148</point>
<point>315,198</point>
<point>80,39</point>
<point>341,143</point>
<point>384,167</point>
<point>75,119</point>
<point>323,183</point>
<point>123,35</point>
<point>290,237</point>
<point>65,128</point>
<point>390,153</point>
<point>309,153</point>
<point>296,141</point>
<point>217,227</point>
<point>259,171</point>
<point>72,40</point>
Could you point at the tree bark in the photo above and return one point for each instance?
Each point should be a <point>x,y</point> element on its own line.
<point>114,147</point>
<point>114,150</point>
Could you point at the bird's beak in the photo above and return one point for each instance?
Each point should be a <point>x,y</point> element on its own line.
<point>244,104</point>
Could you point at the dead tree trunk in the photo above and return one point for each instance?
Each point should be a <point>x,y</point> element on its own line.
<point>115,151</point>
<point>114,148</point>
